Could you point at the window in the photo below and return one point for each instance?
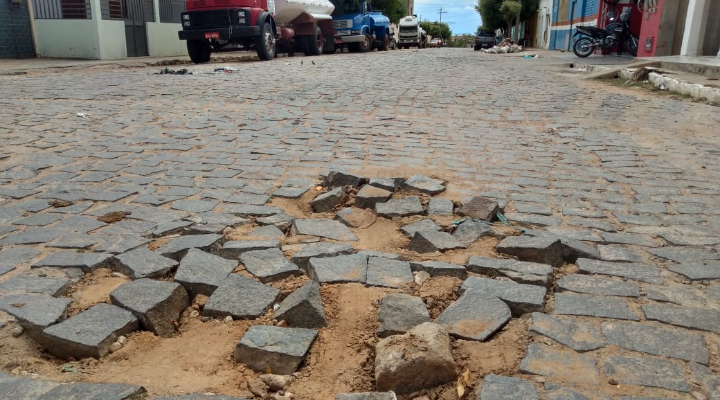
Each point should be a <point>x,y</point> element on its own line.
<point>111,9</point>
<point>62,9</point>
<point>170,10</point>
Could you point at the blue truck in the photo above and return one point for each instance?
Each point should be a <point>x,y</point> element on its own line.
<point>362,29</point>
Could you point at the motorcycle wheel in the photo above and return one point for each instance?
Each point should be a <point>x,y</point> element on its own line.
<point>583,47</point>
<point>631,45</point>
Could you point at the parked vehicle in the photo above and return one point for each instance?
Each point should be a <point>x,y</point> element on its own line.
<point>362,29</point>
<point>616,33</point>
<point>441,42</point>
<point>411,33</point>
<point>435,42</point>
<point>266,26</point>
<point>484,40</point>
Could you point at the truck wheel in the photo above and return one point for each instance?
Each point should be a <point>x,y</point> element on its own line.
<point>314,43</point>
<point>265,43</point>
<point>199,51</point>
<point>386,44</point>
<point>365,45</point>
<point>329,47</point>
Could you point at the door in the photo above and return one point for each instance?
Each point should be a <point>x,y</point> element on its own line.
<point>135,17</point>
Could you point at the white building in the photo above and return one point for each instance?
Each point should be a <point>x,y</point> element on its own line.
<point>107,29</point>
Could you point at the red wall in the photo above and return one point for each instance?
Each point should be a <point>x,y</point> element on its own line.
<point>650,28</point>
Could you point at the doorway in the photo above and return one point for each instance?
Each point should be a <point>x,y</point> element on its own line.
<point>135,16</point>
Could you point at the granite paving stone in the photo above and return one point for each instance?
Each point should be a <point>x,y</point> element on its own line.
<point>369,195</point>
<point>280,350</point>
<point>697,270</point>
<point>171,228</point>
<point>142,263</point>
<point>290,192</point>
<point>638,272</point>
<point>68,259</point>
<point>281,221</point>
<point>563,365</point>
<point>251,210</point>
<point>202,273</point>
<point>156,304</point>
<point>657,341</point>
<point>619,253</point>
<point>20,284</point>
<point>419,226</point>
<point>92,391</point>
<point>475,316</point>
<point>708,379</point>
<point>321,227</point>
<point>117,244</point>
<point>35,312</point>
<point>79,224</point>
<point>593,306</point>
<point>90,333</point>
<point>432,241</point>
<point>23,388</point>
<point>267,232</point>
<point>518,271</point>
<point>590,284</point>
<point>268,265</point>
<point>439,268</point>
<point>179,246</point>
<point>686,317</point>
<point>388,273</point>
<point>533,219</point>
<point>75,241</point>
<point>496,387</point>
<point>320,250</point>
<point>402,207</point>
<point>680,295</point>
<point>555,392</point>
<point>684,254</point>
<point>424,184</point>
<point>232,249</point>
<point>650,372</point>
<point>327,201</point>
<point>521,298</point>
<point>440,207</point>
<point>342,178</point>
<point>37,220</point>
<point>303,308</point>
<point>470,230</point>
<point>241,298</point>
<point>340,269</point>
<point>578,335</point>
<point>398,313</point>
<point>33,236</point>
<point>390,184</point>
<point>12,257</point>
<point>482,208</point>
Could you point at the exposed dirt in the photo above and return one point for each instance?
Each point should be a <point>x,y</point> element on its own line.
<point>94,288</point>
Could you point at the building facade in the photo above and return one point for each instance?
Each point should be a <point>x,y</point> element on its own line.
<point>568,14</point>
<point>16,39</point>
<point>681,27</point>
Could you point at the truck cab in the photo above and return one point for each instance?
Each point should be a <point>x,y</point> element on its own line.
<point>362,29</point>
<point>411,33</point>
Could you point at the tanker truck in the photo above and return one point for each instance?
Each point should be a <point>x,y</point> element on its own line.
<point>411,33</point>
<point>265,26</point>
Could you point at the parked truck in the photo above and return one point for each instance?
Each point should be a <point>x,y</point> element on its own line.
<point>411,33</point>
<point>266,26</point>
<point>362,29</point>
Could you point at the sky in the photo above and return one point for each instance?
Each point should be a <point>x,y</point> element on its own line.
<point>461,14</point>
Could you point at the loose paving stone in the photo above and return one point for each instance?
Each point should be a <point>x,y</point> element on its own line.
<point>579,336</point>
<point>232,249</point>
<point>369,195</point>
<point>589,284</point>
<point>79,224</point>
<point>572,248</point>
<point>35,312</point>
<point>66,259</point>
<point>90,333</point>
<point>533,219</point>
<point>650,372</point>
<point>420,226</point>
<point>290,192</point>
<point>686,317</point>
<point>326,202</point>
<point>439,268</point>
<point>366,396</point>
<point>497,387</point>
<point>424,184</point>
<point>658,341</point>
<point>281,221</point>
<point>92,391</point>
<point>33,236</point>
<point>440,207</point>
<point>555,392</point>
<point>593,306</point>
<point>680,295</point>
<point>355,217</point>
<point>340,269</point>
<point>268,232</point>
<point>542,250</point>
<point>156,304</point>
<point>638,272</point>
<point>320,250</point>
<point>321,227</point>
<point>520,298</point>
<point>178,247</point>
<point>430,242</point>
<point>339,178</point>
<point>619,254</point>
<point>171,228</point>
<point>75,241</point>
<point>684,254</point>
<point>22,388</point>
<point>518,271</point>
<point>268,265</point>
<point>37,220</point>
<point>390,184</point>
<point>403,207</point>
<point>482,208</point>
<point>399,313</point>
<point>303,308</point>
<point>143,263</point>
<point>280,350</point>
<point>202,273</point>
<point>120,244</point>
<point>470,230</point>
<point>33,284</point>
<point>11,258</point>
<point>426,360</point>
<point>388,273</point>
<point>475,316</point>
<point>561,365</point>
<point>241,298</point>
<point>697,270</point>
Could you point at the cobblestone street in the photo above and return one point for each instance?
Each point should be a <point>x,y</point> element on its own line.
<point>102,168</point>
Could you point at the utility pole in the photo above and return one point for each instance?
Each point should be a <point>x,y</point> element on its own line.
<point>441,12</point>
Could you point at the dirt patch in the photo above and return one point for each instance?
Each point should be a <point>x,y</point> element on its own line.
<point>94,288</point>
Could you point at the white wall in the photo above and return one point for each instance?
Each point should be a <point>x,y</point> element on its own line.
<point>163,40</point>
<point>112,40</point>
<point>544,24</point>
<point>68,38</point>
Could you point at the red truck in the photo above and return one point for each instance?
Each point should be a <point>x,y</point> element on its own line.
<point>266,26</point>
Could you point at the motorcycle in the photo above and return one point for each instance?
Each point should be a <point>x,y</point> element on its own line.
<point>616,32</point>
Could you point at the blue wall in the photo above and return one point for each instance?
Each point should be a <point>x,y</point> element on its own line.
<point>15,33</point>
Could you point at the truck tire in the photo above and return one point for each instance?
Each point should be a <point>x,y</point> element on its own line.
<point>199,51</point>
<point>265,45</point>
<point>329,47</point>
<point>314,43</point>
<point>385,44</point>
<point>366,45</point>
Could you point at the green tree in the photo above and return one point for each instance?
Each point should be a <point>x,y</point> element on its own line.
<point>489,11</point>
<point>436,29</point>
<point>510,9</point>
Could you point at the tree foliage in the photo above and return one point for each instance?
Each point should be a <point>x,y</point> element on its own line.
<point>489,11</point>
<point>436,29</point>
<point>393,9</point>
<point>510,9</point>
